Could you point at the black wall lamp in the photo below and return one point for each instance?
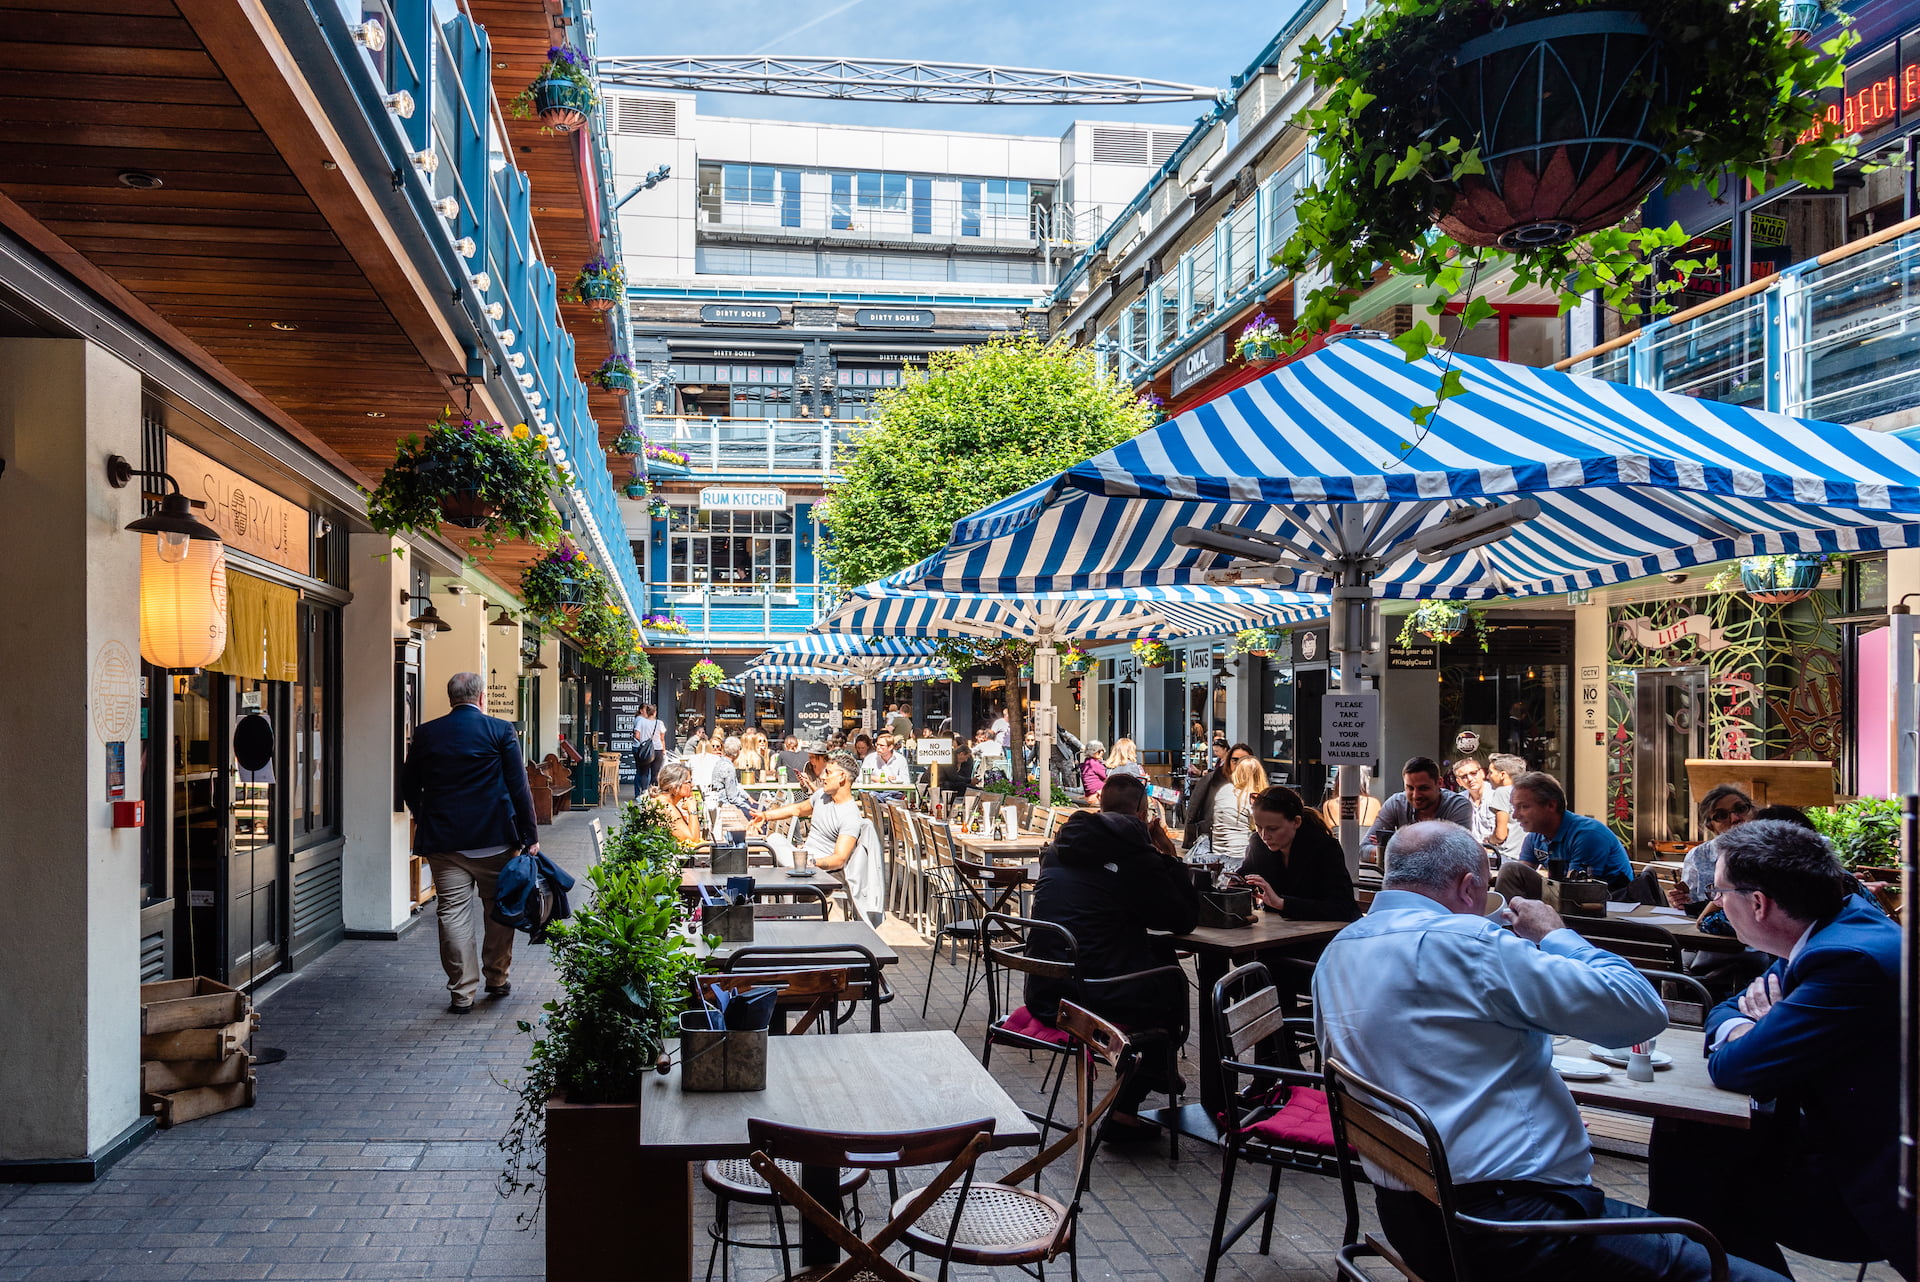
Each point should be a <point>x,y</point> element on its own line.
<point>428,620</point>
<point>174,525</point>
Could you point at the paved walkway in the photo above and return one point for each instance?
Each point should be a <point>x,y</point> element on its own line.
<point>371,1153</point>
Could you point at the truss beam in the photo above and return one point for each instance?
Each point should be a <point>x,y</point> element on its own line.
<point>887,80</point>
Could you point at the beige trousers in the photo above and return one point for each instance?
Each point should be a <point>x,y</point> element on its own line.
<point>464,887</point>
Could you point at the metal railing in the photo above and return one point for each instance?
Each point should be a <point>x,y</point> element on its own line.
<point>757,446</point>
<point>899,217</point>
<point>739,613</point>
<point>1835,338</point>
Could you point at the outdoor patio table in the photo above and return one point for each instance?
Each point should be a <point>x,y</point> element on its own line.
<point>793,933</point>
<point>1685,930</point>
<point>989,849</point>
<point>1216,951</point>
<point>855,1082</point>
<point>1683,1092</point>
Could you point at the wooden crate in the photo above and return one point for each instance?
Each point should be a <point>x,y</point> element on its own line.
<point>189,1003</point>
<point>200,1101</point>
<point>199,1043</point>
<point>164,1076</point>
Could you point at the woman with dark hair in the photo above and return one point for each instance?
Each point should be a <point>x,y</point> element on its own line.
<point>1294,863</point>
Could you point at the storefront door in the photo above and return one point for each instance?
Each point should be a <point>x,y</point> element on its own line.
<point>1670,725</point>
<point>256,853</point>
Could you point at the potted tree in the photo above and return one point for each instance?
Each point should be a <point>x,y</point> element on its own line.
<point>1449,127</point>
<point>484,477</point>
<point>600,284</point>
<point>615,374</point>
<point>562,96</point>
<point>623,963</point>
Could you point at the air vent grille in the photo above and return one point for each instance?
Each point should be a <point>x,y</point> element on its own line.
<point>656,116</point>
<point>1122,147</point>
<point>1164,145</point>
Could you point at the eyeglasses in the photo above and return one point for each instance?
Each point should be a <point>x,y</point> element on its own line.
<point>1717,892</point>
<point>1721,816</point>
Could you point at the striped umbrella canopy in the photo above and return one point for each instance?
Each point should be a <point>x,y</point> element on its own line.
<point>773,673</point>
<point>856,658</point>
<point>1114,614</point>
<point>1532,482</point>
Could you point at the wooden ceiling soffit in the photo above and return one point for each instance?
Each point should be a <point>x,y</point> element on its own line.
<point>243,42</point>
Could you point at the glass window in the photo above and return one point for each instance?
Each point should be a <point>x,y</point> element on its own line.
<point>733,553</point>
<point>747,184</point>
<point>789,197</point>
<point>969,208</point>
<point>316,765</point>
<point>1282,191</point>
<point>1204,281</point>
<point>842,215</point>
<point>1243,258</point>
<point>880,191</point>
<point>1007,198</point>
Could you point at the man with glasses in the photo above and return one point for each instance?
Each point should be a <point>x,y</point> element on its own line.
<point>1817,1036</point>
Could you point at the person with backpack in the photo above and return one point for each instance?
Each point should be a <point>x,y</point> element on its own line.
<point>649,742</point>
<point>466,784</point>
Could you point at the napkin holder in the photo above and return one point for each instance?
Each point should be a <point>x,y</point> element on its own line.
<point>731,923</point>
<point>1226,909</point>
<point>728,858</point>
<point>1578,897</point>
<point>723,1059</point>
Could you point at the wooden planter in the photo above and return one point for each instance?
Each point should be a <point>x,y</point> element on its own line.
<point>593,1184</point>
<point>1562,110</point>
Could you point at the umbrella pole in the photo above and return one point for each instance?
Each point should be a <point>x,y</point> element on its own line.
<point>1046,671</point>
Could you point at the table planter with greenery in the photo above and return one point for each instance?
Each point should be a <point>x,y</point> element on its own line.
<point>562,96</point>
<point>562,583</point>
<point>615,374</point>
<point>1447,127</point>
<point>623,964</point>
<point>481,476</point>
<point>600,285</point>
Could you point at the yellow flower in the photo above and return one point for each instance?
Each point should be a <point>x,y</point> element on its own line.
<point>519,431</point>
<point>540,441</point>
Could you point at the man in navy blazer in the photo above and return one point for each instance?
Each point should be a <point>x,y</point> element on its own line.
<point>466,784</point>
<point>1818,1036</point>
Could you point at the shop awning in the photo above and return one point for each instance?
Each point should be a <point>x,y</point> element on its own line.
<point>1120,614</point>
<point>1323,472</point>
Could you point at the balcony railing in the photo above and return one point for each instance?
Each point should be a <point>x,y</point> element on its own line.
<point>901,218</point>
<point>739,614</point>
<point>1836,338</point>
<point>757,446</point>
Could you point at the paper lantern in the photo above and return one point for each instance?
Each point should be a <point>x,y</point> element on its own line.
<point>183,604</point>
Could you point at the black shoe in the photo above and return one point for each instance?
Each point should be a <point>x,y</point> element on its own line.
<point>499,990</point>
<point>460,1008</point>
<point>1118,1133</point>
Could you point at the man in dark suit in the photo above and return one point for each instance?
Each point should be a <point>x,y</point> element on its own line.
<point>466,784</point>
<point>1818,1037</point>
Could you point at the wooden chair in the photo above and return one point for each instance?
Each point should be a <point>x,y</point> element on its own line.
<point>733,1180</point>
<point>1003,1225</point>
<point>866,979</point>
<point>1275,1106</point>
<point>1368,1125</point>
<point>779,1148</point>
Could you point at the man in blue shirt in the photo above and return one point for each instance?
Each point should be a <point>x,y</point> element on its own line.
<point>1554,834</point>
<point>1428,999</point>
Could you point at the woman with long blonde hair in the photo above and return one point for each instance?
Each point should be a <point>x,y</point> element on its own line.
<point>1233,809</point>
<point>1124,759</point>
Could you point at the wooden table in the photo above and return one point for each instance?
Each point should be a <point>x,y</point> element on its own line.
<point>854,1082</point>
<point>1217,950</point>
<point>988,849</point>
<point>788,933</point>
<point>1684,1092</point>
<point>1685,930</point>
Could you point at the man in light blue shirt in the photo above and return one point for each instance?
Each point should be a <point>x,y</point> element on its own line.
<point>1427,998</point>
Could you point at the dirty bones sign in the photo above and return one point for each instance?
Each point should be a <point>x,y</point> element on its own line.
<point>1350,728</point>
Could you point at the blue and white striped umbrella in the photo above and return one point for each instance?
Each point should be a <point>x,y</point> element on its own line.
<point>1321,470</point>
<point>766,674</point>
<point>1119,614</point>
<point>858,658</point>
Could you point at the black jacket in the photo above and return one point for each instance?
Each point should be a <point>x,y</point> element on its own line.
<point>1312,878</point>
<point>1198,819</point>
<point>466,784</point>
<point>1103,881</point>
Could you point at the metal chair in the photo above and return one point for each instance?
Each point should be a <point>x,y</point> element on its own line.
<point>733,1180</point>
<point>1001,1224</point>
<point>1368,1126</point>
<point>1018,1028</point>
<point>1647,946</point>
<point>979,891</point>
<point>1273,1101</point>
<point>811,991</point>
<point>867,981</point>
<point>779,1148</point>
<point>788,900</point>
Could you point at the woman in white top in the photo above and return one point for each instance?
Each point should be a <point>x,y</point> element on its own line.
<point>1233,810</point>
<point>702,763</point>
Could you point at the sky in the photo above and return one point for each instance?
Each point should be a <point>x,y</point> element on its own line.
<point>1198,42</point>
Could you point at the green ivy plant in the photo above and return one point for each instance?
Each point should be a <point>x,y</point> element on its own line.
<point>505,467</point>
<point>609,641</point>
<point>624,965</point>
<point>1743,107</point>
<point>1431,619</point>
<point>1865,833</point>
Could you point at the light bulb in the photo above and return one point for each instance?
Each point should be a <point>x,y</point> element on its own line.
<point>427,161</point>
<point>526,381</point>
<point>465,247</point>
<point>496,310</point>
<point>533,398</point>
<point>482,281</point>
<point>173,547</point>
<point>518,360</point>
<point>401,105</point>
<point>447,207</point>
<point>370,35</point>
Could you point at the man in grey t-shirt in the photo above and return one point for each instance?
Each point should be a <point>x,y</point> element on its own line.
<point>833,815</point>
<point>1422,799</point>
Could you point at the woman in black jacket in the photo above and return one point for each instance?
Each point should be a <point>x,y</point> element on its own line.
<point>1294,863</point>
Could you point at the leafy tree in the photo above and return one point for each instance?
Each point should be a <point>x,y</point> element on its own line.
<point>980,423</point>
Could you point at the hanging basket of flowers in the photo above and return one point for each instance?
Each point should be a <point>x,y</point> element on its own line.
<point>562,95</point>
<point>615,374</point>
<point>1254,641</point>
<point>1074,661</point>
<point>658,508</point>
<point>1442,622</point>
<point>1260,340</point>
<point>610,641</point>
<point>705,674</point>
<point>1781,580</point>
<point>661,458</point>
<point>1155,407</point>
<point>561,583</point>
<point>635,488</point>
<point>627,445</point>
<point>600,285</point>
<point>1152,653</point>
<point>484,477</point>
<point>1538,127</point>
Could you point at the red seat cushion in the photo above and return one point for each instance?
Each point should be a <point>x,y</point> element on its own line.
<point>1025,1023</point>
<point>1302,1121</point>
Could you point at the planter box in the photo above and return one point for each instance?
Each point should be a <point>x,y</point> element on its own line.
<point>593,1184</point>
<point>189,1003</point>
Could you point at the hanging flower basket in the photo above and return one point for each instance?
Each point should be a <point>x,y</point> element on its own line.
<point>1075,662</point>
<point>1155,407</point>
<point>615,374</point>
<point>1260,340</point>
<point>484,477</point>
<point>704,674</point>
<point>658,508</point>
<point>1781,580</point>
<point>627,445</point>
<point>1442,622</point>
<point>562,583</point>
<point>636,489</point>
<point>1254,641</point>
<point>1152,653</point>
<point>600,285</point>
<point>562,96</point>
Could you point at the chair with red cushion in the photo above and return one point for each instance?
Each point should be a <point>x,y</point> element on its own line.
<point>1276,1114</point>
<point>1008,939</point>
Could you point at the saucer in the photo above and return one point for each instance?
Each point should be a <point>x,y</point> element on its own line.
<point>1619,1057</point>
<point>1580,1070</point>
<point>802,872</point>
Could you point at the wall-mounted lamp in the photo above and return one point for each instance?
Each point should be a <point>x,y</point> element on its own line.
<point>504,619</point>
<point>183,578</point>
<point>428,620</point>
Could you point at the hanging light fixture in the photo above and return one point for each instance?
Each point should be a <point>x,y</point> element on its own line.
<point>503,619</point>
<point>183,578</point>
<point>428,620</point>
